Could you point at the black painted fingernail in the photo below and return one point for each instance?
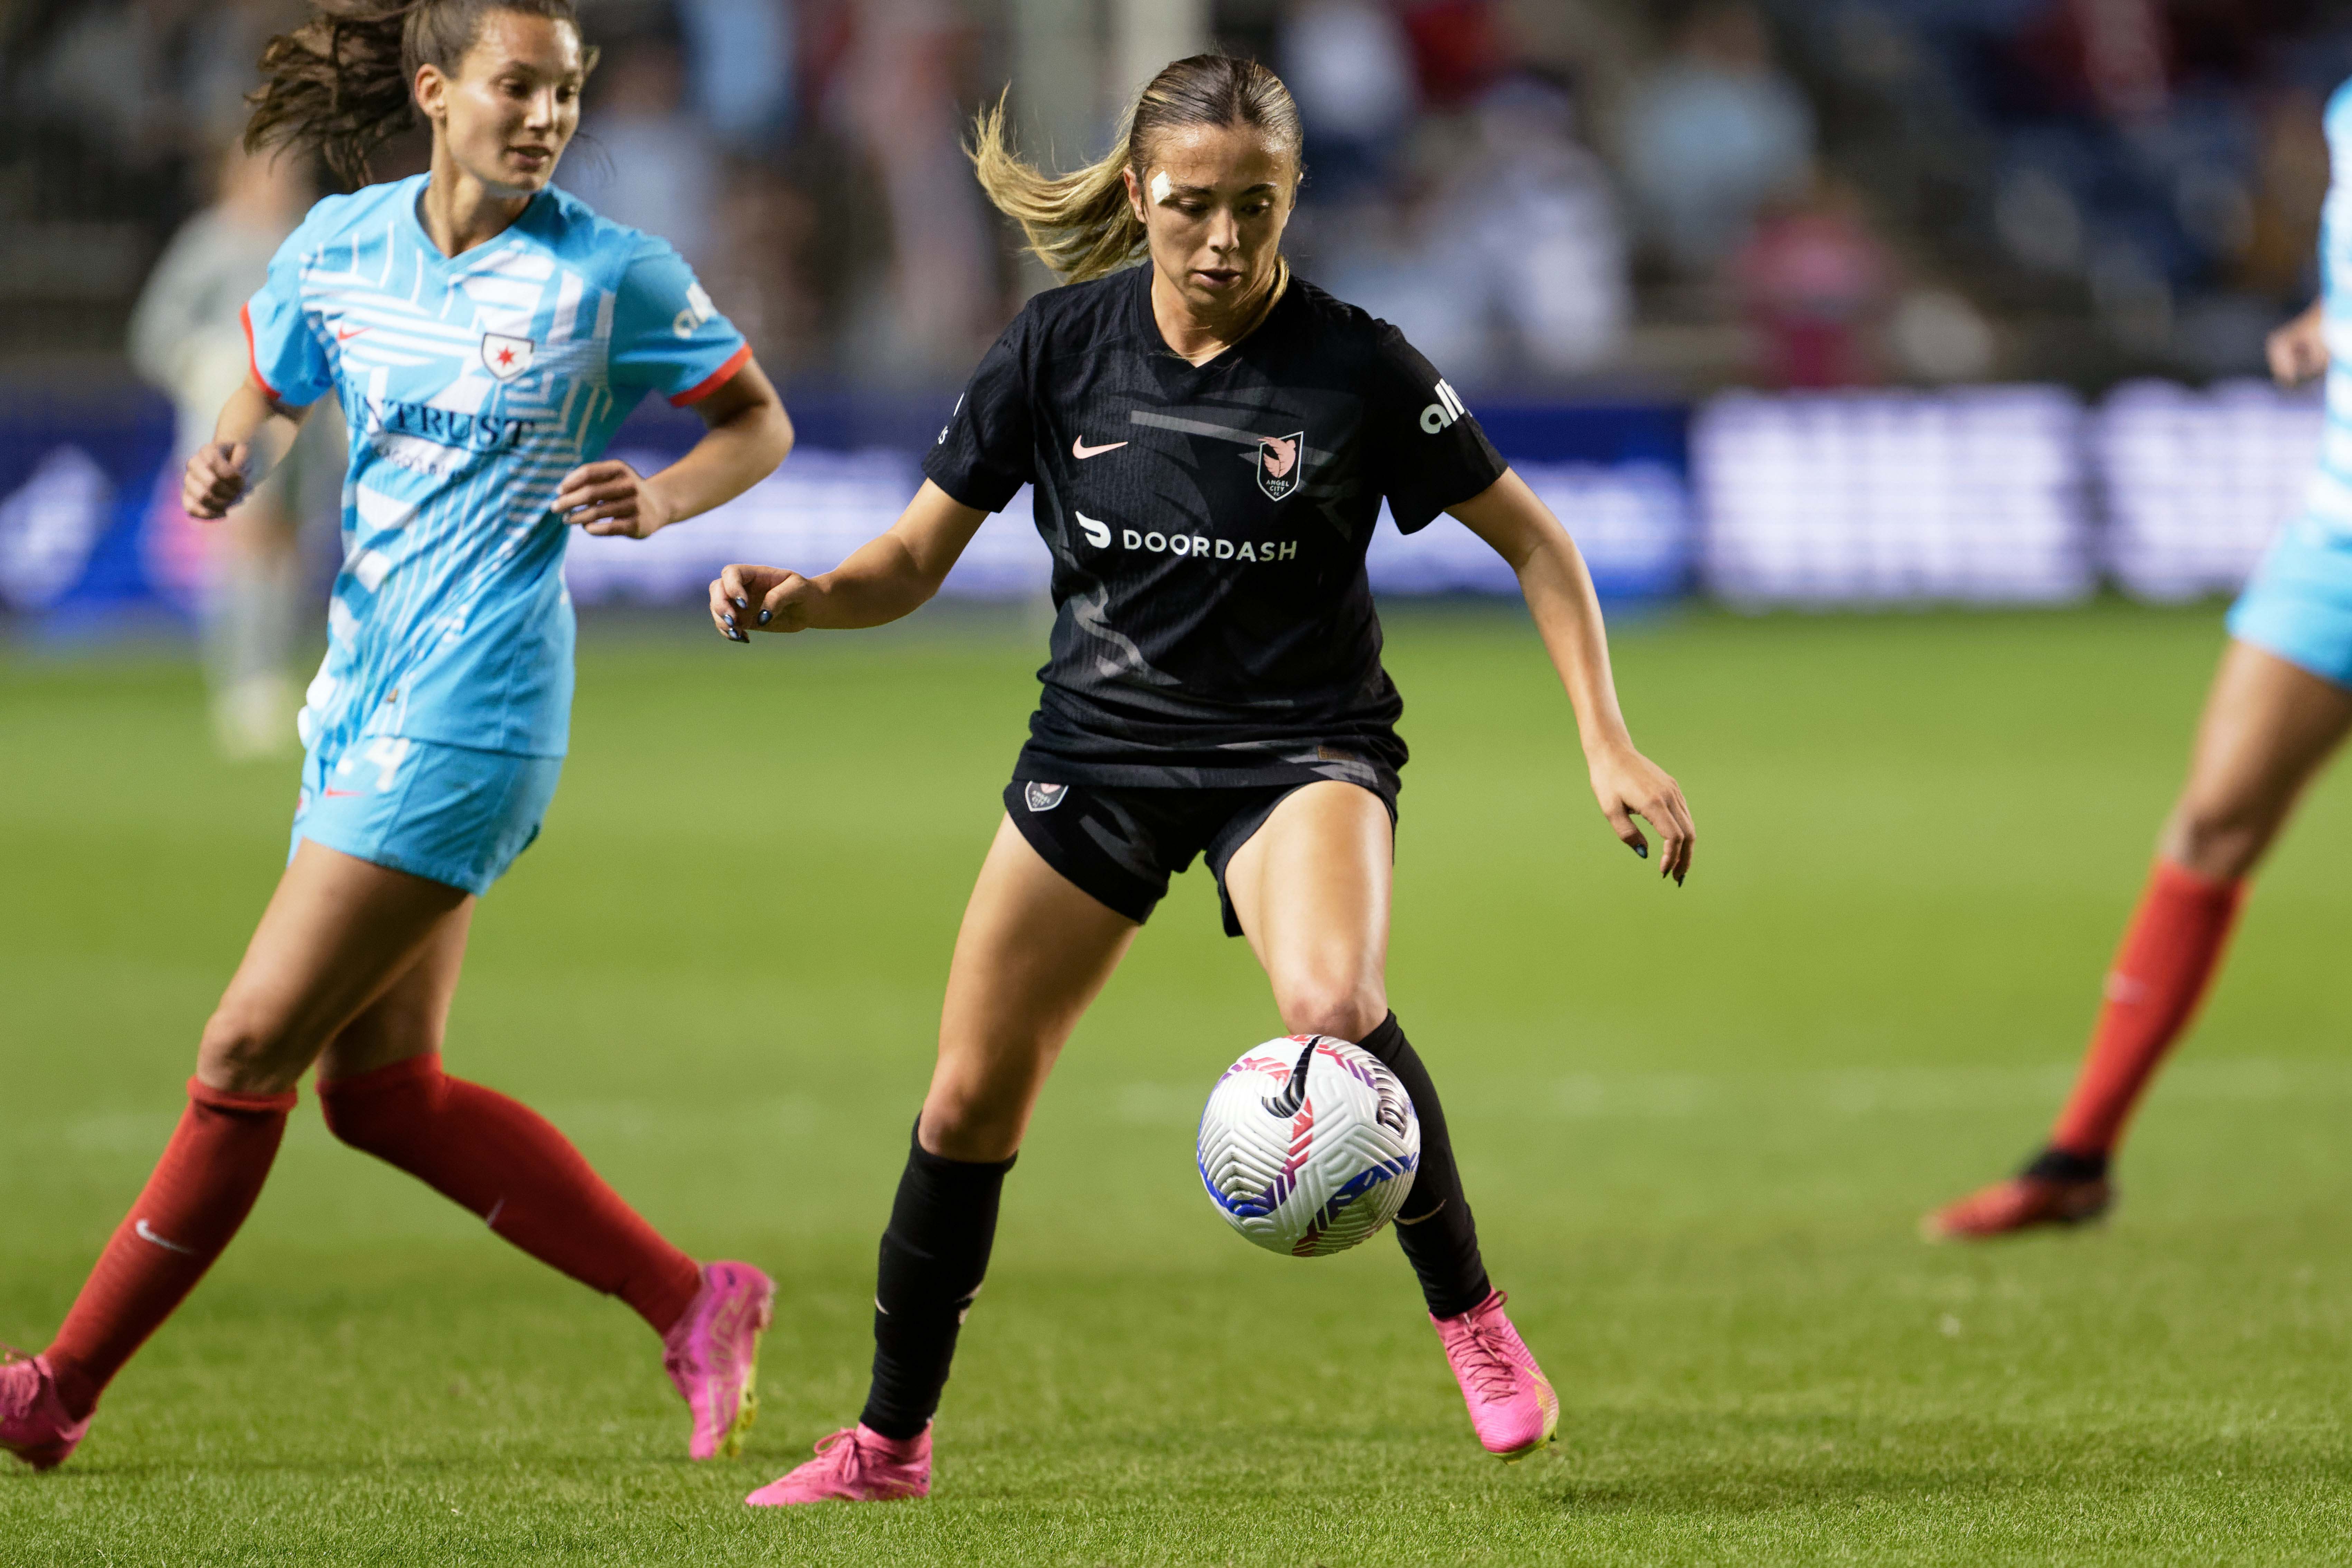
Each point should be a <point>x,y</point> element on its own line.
<point>764,614</point>
<point>743,604</point>
<point>1642,850</point>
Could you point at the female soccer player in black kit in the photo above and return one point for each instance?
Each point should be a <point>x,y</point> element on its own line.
<point>1211,439</point>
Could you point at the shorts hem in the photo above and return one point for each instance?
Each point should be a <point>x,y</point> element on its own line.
<point>2258,630</point>
<point>1049,850</point>
<point>463,880</point>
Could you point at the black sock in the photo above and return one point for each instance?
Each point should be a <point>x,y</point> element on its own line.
<point>934,1256</point>
<point>2054,1163</point>
<point>1440,1238</point>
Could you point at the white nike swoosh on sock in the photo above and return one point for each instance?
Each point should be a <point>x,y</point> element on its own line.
<point>145,1234</point>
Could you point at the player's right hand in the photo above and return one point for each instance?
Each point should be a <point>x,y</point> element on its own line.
<point>215,480</point>
<point>2298,350</point>
<point>745,599</point>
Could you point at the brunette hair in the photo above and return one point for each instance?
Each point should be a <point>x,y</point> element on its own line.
<point>341,84</point>
<point>1080,224</point>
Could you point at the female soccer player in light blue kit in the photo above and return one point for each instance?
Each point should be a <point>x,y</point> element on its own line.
<point>485,335</point>
<point>2280,706</point>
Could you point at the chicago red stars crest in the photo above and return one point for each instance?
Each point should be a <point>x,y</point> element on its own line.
<point>1277,463</point>
<point>504,357</point>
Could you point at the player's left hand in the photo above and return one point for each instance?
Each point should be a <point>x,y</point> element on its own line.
<point>611,498</point>
<point>1629,785</point>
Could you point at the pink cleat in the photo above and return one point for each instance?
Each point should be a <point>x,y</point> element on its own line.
<point>857,1464</point>
<point>712,1353</point>
<point>34,1424</point>
<point>1512,1405</point>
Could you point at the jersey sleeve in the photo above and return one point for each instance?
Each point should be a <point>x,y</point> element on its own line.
<point>281,342</point>
<point>668,336</point>
<point>987,449</point>
<point>1431,453</point>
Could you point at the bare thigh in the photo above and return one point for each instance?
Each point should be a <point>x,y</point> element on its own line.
<point>412,1014</point>
<point>1032,953</point>
<point>1312,890</point>
<point>339,933</point>
<point>2267,728</point>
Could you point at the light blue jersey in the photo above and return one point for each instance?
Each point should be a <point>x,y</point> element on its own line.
<point>471,386</point>
<point>2299,604</point>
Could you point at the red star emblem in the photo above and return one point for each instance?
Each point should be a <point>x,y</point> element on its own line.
<point>506,356</point>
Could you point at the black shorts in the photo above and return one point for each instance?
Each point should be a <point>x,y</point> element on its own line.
<point>1119,845</point>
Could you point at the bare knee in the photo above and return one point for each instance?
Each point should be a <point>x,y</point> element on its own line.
<point>1343,1008</point>
<point>959,1124</point>
<point>981,1097</point>
<point>2218,838</point>
<point>245,1052</point>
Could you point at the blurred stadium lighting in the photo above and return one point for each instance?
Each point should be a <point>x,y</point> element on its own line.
<point>1147,34</point>
<point>1057,80</point>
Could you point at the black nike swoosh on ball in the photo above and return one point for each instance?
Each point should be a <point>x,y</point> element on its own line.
<point>1293,1093</point>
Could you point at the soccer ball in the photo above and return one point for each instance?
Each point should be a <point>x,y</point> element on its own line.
<point>1308,1144</point>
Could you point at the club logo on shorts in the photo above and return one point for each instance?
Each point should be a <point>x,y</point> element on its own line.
<point>1278,464</point>
<point>504,357</point>
<point>1045,797</point>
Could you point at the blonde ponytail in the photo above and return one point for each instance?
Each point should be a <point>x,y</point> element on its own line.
<point>1082,225</point>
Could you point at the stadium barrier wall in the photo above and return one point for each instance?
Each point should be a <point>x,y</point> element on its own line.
<point>1994,496</point>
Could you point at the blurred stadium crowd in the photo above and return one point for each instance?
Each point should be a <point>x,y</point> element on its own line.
<point>1546,195</point>
<point>1817,302</point>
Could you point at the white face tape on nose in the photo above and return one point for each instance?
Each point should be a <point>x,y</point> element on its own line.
<point>1159,185</point>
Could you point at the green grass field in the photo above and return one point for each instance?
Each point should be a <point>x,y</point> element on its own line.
<point>1698,1126</point>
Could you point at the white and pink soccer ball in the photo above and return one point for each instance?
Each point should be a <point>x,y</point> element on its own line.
<point>1308,1144</point>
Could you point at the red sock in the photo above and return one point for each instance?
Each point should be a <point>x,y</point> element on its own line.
<point>2169,957</point>
<point>202,1189</point>
<point>504,1162</point>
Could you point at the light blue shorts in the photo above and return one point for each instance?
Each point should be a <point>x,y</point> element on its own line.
<point>2298,604</point>
<point>449,813</point>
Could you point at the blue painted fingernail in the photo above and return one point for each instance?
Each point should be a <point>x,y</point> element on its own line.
<point>1642,850</point>
<point>765,615</point>
<point>743,604</point>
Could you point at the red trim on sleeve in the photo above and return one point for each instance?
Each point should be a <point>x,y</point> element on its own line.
<point>253,360</point>
<point>717,379</point>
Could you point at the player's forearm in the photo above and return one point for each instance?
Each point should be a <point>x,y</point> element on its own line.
<point>1517,526</point>
<point>1567,613</point>
<point>731,458</point>
<point>880,582</point>
<point>255,417</point>
<point>266,427</point>
<point>897,573</point>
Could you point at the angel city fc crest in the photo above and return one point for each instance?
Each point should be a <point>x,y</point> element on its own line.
<point>504,357</point>
<point>1277,463</point>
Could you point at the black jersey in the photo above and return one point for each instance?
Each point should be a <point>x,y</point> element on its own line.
<point>1214,625</point>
